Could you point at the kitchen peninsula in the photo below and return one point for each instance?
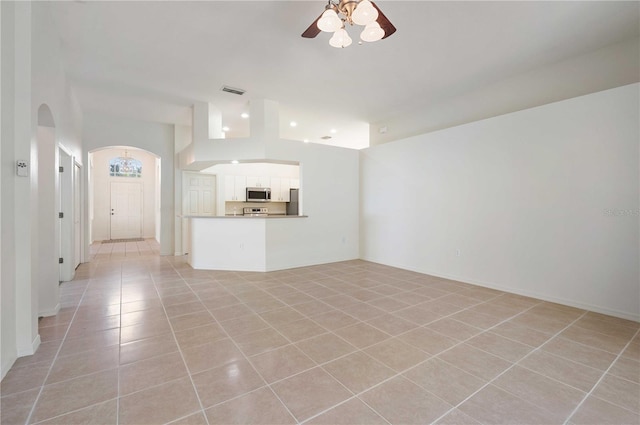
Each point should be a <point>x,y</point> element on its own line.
<point>244,243</point>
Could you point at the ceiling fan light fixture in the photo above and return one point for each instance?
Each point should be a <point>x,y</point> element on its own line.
<point>329,22</point>
<point>364,13</point>
<point>340,39</point>
<point>372,32</point>
<point>339,13</point>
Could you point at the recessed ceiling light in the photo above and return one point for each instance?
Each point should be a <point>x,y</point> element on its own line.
<point>333,131</point>
<point>293,124</point>
<point>225,128</point>
<point>306,140</point>
<point>244,115</point>
<point>235,161</point>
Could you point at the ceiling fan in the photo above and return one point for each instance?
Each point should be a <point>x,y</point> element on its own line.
<point>338,13</point>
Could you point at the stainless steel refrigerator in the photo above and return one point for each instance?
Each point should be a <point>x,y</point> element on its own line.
<point>292,205</point>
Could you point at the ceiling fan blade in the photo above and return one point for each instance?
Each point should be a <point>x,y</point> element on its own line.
<point>384,22</point>
<point>313,29</point>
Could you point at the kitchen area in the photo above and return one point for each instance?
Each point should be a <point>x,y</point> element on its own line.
<point>215,173</point>
<point>251,201</point>
<point>257,189</point>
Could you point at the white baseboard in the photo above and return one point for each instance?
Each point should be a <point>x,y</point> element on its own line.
<point>532,294</point>
<point>6,365</point>
<point>30,350</point>
<point>51,312</point>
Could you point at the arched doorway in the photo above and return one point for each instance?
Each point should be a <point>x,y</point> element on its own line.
<point>124,194</point>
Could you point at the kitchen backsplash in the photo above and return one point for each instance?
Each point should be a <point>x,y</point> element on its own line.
<point>274,207</point>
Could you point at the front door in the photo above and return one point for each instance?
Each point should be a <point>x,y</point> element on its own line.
<point>126,210</point>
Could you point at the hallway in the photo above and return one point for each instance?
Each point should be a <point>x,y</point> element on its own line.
<point>145,339</point>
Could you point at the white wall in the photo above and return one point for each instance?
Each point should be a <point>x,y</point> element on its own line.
<point>329,185</point>
<point>102,131</point>
<point>8,343</point>
<point>19,290</point>
<point>526,197</point>
<point>32,75</point>
<point>183,135</point>
<point>101,181</point>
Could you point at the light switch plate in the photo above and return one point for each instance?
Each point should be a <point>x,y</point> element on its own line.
<point>22,168</point>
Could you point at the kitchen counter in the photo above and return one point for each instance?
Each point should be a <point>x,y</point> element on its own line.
<point>247,216</point>
<point>247,243</point>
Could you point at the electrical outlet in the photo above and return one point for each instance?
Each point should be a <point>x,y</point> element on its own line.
<point>458,252</point>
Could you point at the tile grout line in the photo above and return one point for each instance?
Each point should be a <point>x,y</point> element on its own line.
<point>514,364</point>
<point>277,330</point>
<point>604,374</point>
<point>155,286</point>
<point>361,350</point>
<point>432,356</point>
<point>236,346</point>
<point>315,279</point>
<point>482,331</point>
<point>89,282</point>
<point>119,349</point>
<point>269,385</point>
<point>55,358</point>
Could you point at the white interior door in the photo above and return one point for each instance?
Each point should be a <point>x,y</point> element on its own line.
<point>200,194</point>
<point>77,210</point>
<point>198,198</point>
<point>126,210</point>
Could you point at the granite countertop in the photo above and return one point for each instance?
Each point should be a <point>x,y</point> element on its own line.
<point>247,216</point>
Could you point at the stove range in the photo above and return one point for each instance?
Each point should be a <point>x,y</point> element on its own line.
<point>255,211</point>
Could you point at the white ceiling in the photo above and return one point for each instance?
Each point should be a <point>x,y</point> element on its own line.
<point>151,60</point>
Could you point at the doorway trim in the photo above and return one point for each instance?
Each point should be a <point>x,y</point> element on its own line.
<point>97,213</point>
<point>65,223</point>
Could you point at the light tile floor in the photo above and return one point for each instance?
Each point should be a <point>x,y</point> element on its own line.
<point>144,339</point>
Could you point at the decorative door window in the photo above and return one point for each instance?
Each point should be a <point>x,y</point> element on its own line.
<point>125,166</point>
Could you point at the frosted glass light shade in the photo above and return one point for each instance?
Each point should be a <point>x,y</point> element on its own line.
<point>329,22</point>
<point>340,39</point>
<point>364,13</point>
<point>372,32</point>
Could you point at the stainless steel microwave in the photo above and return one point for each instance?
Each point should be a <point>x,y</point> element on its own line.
<point>258,194</point>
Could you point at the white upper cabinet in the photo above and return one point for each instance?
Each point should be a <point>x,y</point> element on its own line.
<point>258,181</point>
<point>235,188</point>
<point>280,189</point>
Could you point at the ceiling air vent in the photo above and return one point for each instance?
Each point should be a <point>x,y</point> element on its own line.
<point>233,90</point>
<point>326,137</point>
